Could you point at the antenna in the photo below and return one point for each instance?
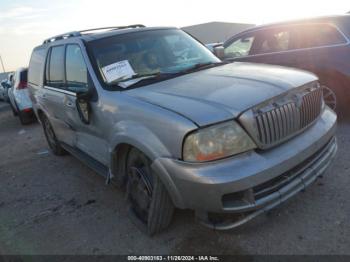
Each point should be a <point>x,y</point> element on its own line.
<point>2,63</point>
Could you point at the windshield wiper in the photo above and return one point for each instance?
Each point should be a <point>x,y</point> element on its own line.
<point>136,76</point>
<point>201,66</point>
<point>139,78</point>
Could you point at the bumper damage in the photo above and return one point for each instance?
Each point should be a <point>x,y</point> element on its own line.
<point>290,184</point>
<point>254,182</point>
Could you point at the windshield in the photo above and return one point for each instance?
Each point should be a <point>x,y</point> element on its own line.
<point>147,54</point>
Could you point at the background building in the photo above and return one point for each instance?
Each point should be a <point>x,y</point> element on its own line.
<point>215,32</point>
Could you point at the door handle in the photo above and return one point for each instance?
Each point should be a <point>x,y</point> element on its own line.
<point>70,104</point>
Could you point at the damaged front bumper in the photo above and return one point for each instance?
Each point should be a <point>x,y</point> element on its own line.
<point>251,183</point>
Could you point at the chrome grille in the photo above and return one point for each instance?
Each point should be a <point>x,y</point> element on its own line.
<point>285,120</point>
<point>310,107</point>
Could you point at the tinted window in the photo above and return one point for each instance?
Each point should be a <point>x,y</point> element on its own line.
<point>274,41</point>
<point>318,35</point>
<point>240,47</point>
<point>150,52</point>
<point>76,71</point>
<point>35,66</point>
<point>55,73</point>
<point>23,76</point>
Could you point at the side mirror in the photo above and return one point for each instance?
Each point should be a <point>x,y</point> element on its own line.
<point>83,106</point>
<point>219,51</point>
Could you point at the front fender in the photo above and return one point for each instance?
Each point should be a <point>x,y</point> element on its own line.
<point>142,138</point>
<point>139,136</point>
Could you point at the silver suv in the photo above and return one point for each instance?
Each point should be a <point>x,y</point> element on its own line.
<point>153,110</point>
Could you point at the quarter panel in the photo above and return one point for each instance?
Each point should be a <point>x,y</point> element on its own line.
<point>22,99</point>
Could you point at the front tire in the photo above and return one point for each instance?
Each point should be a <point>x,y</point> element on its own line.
<point>51,139</point>
<point>148,199</point>
<point>330,98</point>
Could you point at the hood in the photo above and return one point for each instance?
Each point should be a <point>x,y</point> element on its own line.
<point>221,93</point>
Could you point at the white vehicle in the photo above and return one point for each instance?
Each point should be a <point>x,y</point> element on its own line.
<point>5,85</point>
<point>3,90</point>
<point>19,97</point>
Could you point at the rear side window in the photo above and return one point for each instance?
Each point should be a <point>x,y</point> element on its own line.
<point>36,66</point>
<point>316,35</point>
<point>55,69</point>
<point>23,76</point>
<point>276,40</point>
<point>76,71</point>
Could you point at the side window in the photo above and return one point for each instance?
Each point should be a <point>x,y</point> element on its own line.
<point>76,71</point>
<point>55,69</point>
<point>315,35</point>
<point>274,41</point>
<point>36,66</point>
<point>240,47</point>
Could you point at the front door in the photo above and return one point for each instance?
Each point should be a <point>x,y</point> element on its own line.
<point>88,136</point>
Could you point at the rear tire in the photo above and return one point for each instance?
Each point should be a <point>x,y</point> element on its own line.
<point>13,110</point>
<point>24,118</point>
<point>148,199</point>
<point>51,139</point>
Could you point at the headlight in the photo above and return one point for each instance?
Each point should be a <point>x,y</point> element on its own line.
<point>216,142</point>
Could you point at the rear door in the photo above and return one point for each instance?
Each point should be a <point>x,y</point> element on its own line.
<point>54,95</point>
<point>320,47</point>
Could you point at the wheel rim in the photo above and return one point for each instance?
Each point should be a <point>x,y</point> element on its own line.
<point>49,133</point>
<point>139,192</point>
<point>329,97</point>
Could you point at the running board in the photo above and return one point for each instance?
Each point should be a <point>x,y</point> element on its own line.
<point>95,165</point>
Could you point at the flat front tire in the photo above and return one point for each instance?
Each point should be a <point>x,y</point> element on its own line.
<point>148,200</point>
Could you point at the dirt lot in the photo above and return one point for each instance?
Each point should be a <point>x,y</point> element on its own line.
<point>56,205</point>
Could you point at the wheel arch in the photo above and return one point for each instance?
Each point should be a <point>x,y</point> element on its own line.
<point>119,156</point>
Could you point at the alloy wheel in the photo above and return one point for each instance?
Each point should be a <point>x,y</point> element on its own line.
<point>329,97</point>
<point>139,191</point>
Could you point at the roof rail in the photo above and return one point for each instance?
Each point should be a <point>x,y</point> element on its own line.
<point>112,28</point>
<point>62,36</point>
<point>78,33</point>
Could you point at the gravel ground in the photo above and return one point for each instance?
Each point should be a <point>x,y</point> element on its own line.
<point>56,205</point>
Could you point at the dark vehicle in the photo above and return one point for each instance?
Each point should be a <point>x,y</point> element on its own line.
<point>320,45</point>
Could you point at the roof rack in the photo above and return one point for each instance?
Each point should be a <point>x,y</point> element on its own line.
<point>78,33</point>
<point>62,36</point>
<point>113,28</point>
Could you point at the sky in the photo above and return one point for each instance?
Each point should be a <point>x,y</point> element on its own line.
<point>24,24</point>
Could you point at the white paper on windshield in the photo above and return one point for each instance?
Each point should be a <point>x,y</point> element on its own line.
<point>118,70</point>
